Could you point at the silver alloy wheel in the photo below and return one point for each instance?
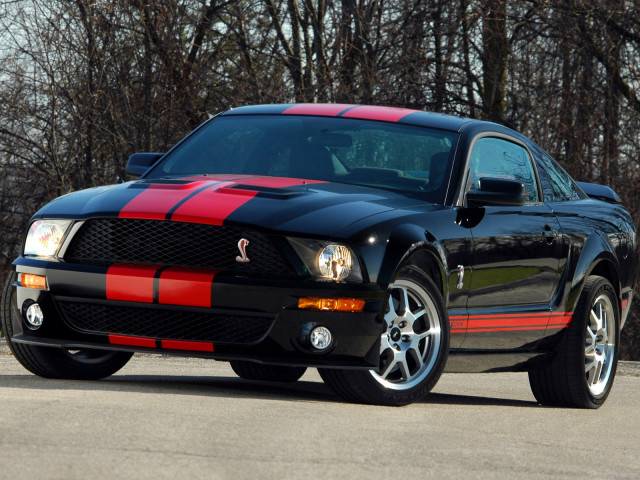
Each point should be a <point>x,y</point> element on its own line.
<point>600,343</point>
<point>412,338</point>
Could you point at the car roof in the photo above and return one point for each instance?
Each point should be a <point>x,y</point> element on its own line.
<point>366,112</point>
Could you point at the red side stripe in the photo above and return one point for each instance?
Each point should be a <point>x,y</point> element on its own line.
<point>186,286</point>
<point>388,114</point>
<point>624,303</point>
<point>132,341</point>
<point>504,329</point>
<point>154,202</point>
<point>323,109</point>
<point>512,315</point>
<point>509,322</point>
<point>185,345</point>
<point>131,282</point>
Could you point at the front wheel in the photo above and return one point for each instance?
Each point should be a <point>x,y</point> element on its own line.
<point>582,373</point>
<point>414,347</point>
<point>52,362</point>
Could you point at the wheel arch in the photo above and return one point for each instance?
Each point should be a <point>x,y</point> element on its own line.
<point>409,244</point>
<point>597,258</point>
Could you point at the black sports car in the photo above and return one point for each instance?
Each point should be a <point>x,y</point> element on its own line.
<point>377,244</point>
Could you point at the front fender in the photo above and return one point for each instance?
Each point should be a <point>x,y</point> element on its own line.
<point>427,254</point>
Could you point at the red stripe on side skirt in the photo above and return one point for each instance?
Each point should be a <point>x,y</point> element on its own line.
<point>323,109</point>
<point>154,202</point>
<point>624,303</point>
<point>185,345</point>
<point>132,341</point>
<point>388,114</point>
<point>131,282</point>
<point>186,286</point>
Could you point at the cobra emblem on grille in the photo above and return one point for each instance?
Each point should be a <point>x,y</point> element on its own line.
<point>242,246</point>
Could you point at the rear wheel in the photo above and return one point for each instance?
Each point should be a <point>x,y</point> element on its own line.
<point>53,362</point>
<point>583,371</point>
<point>269,373</point>
<point>414,346</point>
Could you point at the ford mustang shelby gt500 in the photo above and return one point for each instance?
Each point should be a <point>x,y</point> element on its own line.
<point>377,244</point>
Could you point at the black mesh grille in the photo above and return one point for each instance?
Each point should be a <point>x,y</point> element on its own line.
<point>164,323</point>
<point>112,240</point>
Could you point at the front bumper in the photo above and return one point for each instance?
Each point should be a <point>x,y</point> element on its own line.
<point>249,319</point>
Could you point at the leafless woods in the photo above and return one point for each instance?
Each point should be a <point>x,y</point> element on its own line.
<point>83,84</point>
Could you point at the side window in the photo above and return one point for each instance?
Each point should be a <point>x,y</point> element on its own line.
<point>498,158</point>
<point>557,185</point>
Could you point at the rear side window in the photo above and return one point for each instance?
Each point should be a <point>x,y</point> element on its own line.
<point>557,185</point>
<point>499,158</point>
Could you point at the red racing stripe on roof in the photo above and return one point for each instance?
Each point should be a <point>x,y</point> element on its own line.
<point>387,114</point>
<point>322,109</point>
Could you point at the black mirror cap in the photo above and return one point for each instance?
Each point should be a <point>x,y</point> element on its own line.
<point>600,192</point>
<point>497,192</point>
<point>139,163</point>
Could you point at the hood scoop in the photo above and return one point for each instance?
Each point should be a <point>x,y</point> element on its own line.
<point>268,192</point>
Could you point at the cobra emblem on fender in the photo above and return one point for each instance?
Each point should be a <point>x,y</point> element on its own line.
<point>242,246</point>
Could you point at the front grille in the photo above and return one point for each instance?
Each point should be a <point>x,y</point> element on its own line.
<point>164,323</point>
<point>106,241</point>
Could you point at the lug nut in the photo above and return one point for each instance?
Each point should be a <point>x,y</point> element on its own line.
<point>406,338</point>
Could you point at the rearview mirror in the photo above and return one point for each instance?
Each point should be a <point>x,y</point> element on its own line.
<point>139,163</point>
<point>497,192</point>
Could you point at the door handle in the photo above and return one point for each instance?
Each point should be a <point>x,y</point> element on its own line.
<point>550,234</point>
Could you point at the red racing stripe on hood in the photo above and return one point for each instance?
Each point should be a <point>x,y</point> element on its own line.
<point>155,201</point>
<point>213,205</point>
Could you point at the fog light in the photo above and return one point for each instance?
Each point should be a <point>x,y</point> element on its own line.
<point>34,316</point>
<point>320,338</point>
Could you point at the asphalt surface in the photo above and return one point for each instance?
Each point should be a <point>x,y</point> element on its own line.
<point>171,417</point>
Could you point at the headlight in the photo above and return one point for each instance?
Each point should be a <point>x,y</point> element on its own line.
<point>328,261</point>
<point>45,237</point>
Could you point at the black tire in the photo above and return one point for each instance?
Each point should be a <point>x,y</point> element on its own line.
<point>52,362</point>
<point>269,373</point>
<point>567,381</point>
<point>413,352</point>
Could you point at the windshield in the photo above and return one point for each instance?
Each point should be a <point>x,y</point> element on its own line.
<point>409,159</point>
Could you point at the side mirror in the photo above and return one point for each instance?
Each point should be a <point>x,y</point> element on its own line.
<point>139,163</point>
<point>497,192</point>
<point>601,192</point>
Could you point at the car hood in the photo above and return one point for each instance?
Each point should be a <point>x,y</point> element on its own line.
<point>298,206</point>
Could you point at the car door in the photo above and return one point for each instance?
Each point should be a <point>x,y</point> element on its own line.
<point>515,256</point>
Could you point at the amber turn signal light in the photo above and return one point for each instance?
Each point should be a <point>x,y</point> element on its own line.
<point>331,304</point>
<point>34,281</point>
